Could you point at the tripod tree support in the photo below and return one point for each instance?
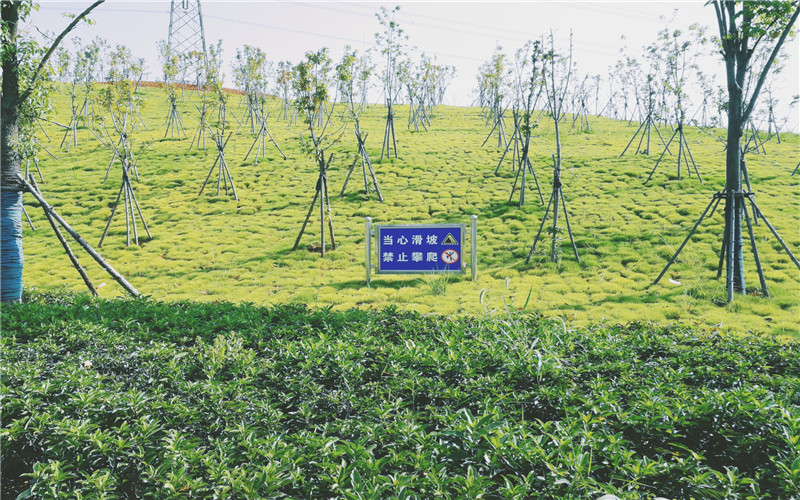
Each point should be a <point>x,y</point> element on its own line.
<point>389,140</point>
<point>354,69</point>
<point>645,128</point>
<point>223,173</point>
<point>555,196</point>
<point>174,121</point>
<point>51,213</point>
<point>735,203</point>
<point>129,203</point>
<point>366,164</point>
<point>683,150</point>
<point>324,206</point>
<point>260,140</point>
<point>200,134</point>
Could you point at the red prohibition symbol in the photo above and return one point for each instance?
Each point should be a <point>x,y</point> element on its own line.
<point>450,256</point>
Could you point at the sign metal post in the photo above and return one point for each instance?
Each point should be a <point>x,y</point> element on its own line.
<point>474,246</point>
<point>369,247</point>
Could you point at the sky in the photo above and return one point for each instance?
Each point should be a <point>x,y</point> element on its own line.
<point>461,34</point>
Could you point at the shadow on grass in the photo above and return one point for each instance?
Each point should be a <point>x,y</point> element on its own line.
<point>356,194</point>
<point>359,284</point>
<point>642,298</point>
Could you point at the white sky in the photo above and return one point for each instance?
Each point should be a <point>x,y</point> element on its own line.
<point>462,34</point>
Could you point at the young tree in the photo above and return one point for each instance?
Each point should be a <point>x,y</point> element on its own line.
<point>437,78</point>
<point>528,85</point>
<point>61,65</point>
<point>350,72</point>
<point>213,84</point>
<point>90,75</point>
<point>411,76</point>
<point>744,28</point>
<point>492,91</point>
<point>284,82</point>
<point>392,45</point>
<point>170,66</point>
<point>123,67</point>
<point>101,50</point>
<point>557,76</point>
<point>580,107</point>
<point>74,75</point>
<point>250,74</point>
<point>311,92</point>
<point>18,88</point>
<point>679,57</point>
<point>120,102</point>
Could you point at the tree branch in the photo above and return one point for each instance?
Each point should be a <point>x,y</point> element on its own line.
<point>720,21</point>
<point>752,101</point>
<point>43,63</point>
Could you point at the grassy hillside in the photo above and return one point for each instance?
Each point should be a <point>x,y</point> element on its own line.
<point>146,399</point>
<point>213,248</point>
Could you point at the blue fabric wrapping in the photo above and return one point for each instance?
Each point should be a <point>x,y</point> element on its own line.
<point>11,256</point>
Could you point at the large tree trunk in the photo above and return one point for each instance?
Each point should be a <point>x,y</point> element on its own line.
<point>11,258</point>
<point>736,69</point>
<point>734,201</point>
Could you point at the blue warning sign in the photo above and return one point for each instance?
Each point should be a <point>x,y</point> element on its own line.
<point>419,248</point>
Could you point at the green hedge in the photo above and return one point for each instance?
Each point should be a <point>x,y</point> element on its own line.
<point>144,399</point>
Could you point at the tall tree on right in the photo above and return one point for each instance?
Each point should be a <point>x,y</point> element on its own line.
<point>745,28</point>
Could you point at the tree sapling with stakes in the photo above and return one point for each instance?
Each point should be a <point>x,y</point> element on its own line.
<point>677,60</point>
<point>528,83</point>
<point>118,99</point>
<point>392,45</point>
<point>170,64</point>
<point>311,92</point>
<point>556,83</point>
<point>351,70</point>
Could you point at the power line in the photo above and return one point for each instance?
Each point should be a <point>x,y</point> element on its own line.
<point>334,37</point>
<point>412,20</point>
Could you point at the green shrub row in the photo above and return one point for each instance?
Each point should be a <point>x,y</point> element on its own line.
<point>145,399</point>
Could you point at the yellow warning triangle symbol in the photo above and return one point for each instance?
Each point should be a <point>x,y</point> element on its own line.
<point>449,240</point>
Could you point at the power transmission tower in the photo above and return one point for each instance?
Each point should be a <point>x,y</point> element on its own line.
<point>186,35</point>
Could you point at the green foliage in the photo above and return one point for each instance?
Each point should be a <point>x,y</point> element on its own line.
<point>250,69</point>
<point>119,98</point>
<point>139,398</point>
<point>310,83</point>
<point>37,106</point>
<point>437,283</point>
<point>169,64</point>
<point>392,43</point>
<point>214,75</point>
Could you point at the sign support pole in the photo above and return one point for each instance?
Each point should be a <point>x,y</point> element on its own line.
<point>368,224</point>
<point>474,246</point>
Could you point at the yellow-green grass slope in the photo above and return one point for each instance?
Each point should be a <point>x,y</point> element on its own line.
<point>213,248</point>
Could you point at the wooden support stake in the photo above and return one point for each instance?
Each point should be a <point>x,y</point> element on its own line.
<point>65,245</point>
<point>77,237</point>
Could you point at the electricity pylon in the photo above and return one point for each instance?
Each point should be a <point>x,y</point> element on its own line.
<point>186,34</point>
